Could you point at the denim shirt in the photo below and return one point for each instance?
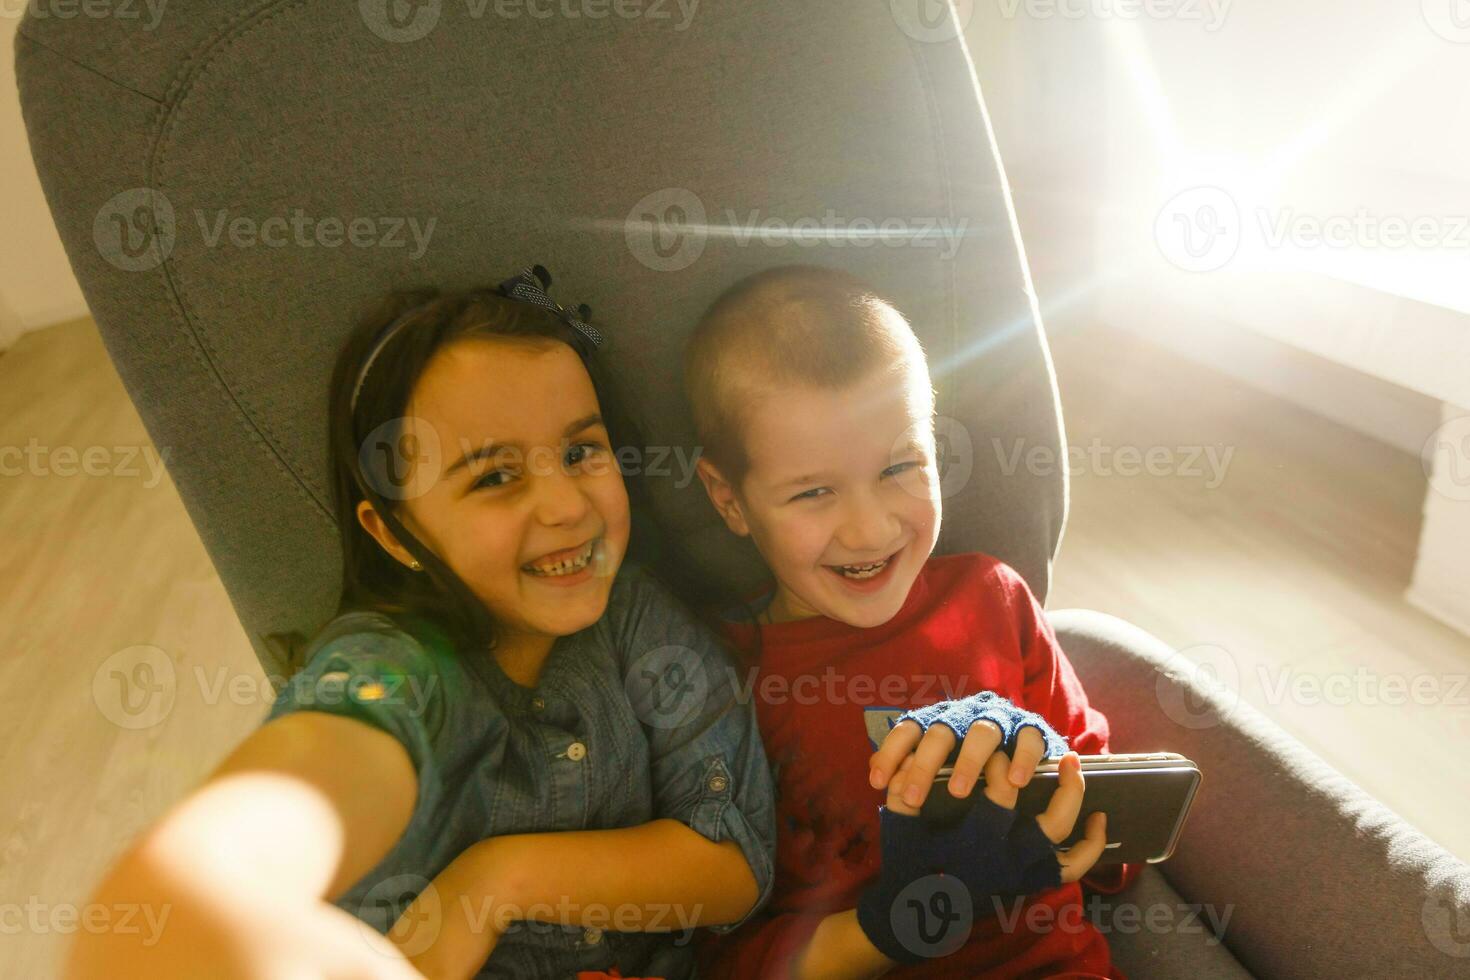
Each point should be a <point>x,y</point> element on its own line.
<point>633,719</point>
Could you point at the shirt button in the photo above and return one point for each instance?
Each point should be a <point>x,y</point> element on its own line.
<point>717,784</point>
<point>576,751</point>
<point>538,704</point>
<point>592,935</point>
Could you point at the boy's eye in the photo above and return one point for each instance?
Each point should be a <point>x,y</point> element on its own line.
<point>495,478</point>
<point>811,494</point>
<point>903,467</point>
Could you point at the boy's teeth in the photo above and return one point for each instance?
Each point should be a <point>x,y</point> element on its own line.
<point>565,567</point>
<point>862,571</point>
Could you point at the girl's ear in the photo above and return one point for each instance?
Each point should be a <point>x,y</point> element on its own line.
<point>372,523</point>
<point>722,495</point>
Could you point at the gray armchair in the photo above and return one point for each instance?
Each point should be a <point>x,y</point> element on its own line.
<point>236,179</point>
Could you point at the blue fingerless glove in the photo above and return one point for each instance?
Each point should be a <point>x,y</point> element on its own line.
<point>960,714</point>
<point>934,883</point>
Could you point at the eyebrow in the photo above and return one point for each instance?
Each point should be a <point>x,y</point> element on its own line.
<point>913,447</point>
<point>491,448</point>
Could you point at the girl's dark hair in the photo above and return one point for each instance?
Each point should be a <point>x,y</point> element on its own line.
<point>374,580</point>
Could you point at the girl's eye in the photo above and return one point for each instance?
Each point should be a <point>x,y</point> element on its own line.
<point>812,494</point>
<point>579,452</point>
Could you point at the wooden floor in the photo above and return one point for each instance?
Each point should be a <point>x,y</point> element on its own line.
<point>1291,570</point>
<point>94,566</point>
<point>1297,561</point>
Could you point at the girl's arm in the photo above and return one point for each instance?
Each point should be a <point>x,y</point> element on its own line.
<point>660,876</point>
<point>240,872</point>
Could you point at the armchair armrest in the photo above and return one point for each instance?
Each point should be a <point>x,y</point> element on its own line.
<point>1320,878</point>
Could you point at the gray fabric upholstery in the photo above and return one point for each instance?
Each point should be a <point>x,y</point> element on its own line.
<point>1320,879</point>
<point>523,140</point>
<point>1157,934</point>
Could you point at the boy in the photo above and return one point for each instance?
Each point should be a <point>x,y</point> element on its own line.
<point>814,408</point>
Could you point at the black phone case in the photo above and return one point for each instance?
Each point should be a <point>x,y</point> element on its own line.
<point>1146,797</point>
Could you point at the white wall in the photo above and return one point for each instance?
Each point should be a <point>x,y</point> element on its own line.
<point>1441,586</point>
<point>1244,181</point>
<point>1312,113</point>
<point>37,288</point>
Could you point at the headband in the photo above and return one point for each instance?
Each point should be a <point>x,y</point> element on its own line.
<point>529,286</point>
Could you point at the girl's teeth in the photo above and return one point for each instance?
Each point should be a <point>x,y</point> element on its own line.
<point>563,567</point>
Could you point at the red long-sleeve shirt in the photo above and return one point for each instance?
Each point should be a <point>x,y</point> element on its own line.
<point>969,624</point>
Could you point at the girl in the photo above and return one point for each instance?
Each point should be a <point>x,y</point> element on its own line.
<point>496,692</point>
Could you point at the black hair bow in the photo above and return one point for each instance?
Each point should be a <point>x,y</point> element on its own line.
<point>530,286</point>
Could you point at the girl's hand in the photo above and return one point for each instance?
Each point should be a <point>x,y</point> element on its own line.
<point>454,924</point>
<point>908,771</point>
<point>244,938</point>
<point>329,943</point>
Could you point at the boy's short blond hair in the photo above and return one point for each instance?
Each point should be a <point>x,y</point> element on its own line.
<point>795,324</point>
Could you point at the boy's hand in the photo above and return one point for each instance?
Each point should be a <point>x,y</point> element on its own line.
<point>909,772</point>
<point>990,853</point>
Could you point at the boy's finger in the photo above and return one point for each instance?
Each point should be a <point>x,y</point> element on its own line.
<point>1061,812</point>
<point>1078,859</point>
<point>998,788</point>
<point>895,789</point>
<point>897,745</point>
<point>934,748</point>
<point>1030,747</point>
<point>981,741</point>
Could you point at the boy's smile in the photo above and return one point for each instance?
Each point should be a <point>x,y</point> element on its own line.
<point>841,494</point>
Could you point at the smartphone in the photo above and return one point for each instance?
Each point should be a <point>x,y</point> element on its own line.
<point>1145,795</point>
